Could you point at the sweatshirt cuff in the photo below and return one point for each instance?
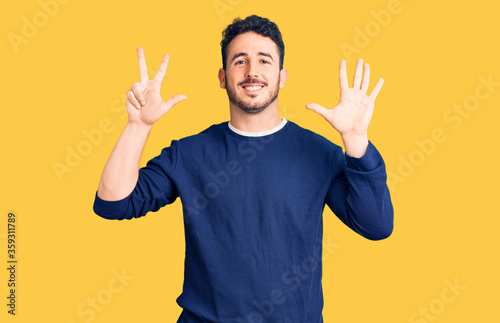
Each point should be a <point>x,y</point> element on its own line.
<point>107,209</point>
<point>369,161</point>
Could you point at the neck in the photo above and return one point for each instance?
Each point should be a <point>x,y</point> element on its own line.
<point>263,121</point>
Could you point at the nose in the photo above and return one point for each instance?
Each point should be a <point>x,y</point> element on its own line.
<point>251,70</point>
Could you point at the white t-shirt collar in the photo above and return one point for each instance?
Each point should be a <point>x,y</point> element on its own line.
<point>259,133</point>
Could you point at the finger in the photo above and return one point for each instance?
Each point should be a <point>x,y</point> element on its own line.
<point>366,78</point>
<point>318,109</point>
<point>131,98</point>
<point>377,88</point>
<point>343,75</point>
<point>167,105</point>
<point>138,89</point>
<point>143,69</point>
<point>162,70</point>
<point>357,74</point>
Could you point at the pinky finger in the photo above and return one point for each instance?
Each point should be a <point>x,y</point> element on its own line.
<point>377,88</point>
<point>131,98</point>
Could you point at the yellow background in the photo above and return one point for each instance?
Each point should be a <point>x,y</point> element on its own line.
<point>73,73</point>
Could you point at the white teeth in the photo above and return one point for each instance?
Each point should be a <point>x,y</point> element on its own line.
<point>253,88</point>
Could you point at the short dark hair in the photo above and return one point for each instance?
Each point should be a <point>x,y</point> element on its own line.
<point>259,25</point>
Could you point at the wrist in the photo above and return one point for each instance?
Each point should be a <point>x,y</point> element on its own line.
<point>355,144</point>
<point>140,127</point>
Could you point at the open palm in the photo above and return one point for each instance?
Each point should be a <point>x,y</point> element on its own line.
<point>352,115</point>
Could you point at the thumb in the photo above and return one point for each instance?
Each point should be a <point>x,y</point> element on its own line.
<point>318,109</point>
<point>167,105</point>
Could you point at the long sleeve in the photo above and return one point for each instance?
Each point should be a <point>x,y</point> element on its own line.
<point>359,195</point>
<point>154,189</point>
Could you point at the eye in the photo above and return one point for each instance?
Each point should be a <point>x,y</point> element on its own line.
<point>265,62</point>
<point>239,62</point>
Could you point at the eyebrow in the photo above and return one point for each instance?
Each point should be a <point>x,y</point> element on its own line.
<point>245,54</point>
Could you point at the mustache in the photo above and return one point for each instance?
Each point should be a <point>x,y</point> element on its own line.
<point>252,81</point>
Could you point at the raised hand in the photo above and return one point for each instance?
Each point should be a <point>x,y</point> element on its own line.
<point>144,103</point>
<point>352,115</point>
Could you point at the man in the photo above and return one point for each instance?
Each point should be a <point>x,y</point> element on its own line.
<point>253,189</point>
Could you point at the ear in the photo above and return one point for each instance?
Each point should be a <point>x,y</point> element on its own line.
<point>222,78</point>
<point>283,77</point>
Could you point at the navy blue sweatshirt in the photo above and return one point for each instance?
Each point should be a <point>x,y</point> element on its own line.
<point>253,217</point>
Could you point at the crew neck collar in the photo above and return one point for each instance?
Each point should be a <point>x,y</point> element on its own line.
<point>258,133</point>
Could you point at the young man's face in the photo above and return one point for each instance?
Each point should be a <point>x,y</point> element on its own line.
<point>252,78</point>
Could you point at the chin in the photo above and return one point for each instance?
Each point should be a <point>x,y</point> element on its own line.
<point>251,103</point>
<point>251,109</point>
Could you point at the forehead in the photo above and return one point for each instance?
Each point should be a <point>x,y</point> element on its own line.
<point>251,42</point>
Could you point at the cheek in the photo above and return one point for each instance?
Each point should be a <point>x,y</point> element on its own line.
<point>273,76</point>
<point>231,79</point>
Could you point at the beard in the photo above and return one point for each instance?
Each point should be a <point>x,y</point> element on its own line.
<point>256,107</point>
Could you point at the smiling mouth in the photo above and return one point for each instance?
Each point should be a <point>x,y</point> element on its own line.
<point>252,87</point>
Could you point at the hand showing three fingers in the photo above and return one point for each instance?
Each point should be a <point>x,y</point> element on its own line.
<point>354,111</point>
<point>144,103</point>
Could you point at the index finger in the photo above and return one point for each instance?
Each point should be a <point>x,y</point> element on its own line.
<point>162,69</point>
<point>143,69</point>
